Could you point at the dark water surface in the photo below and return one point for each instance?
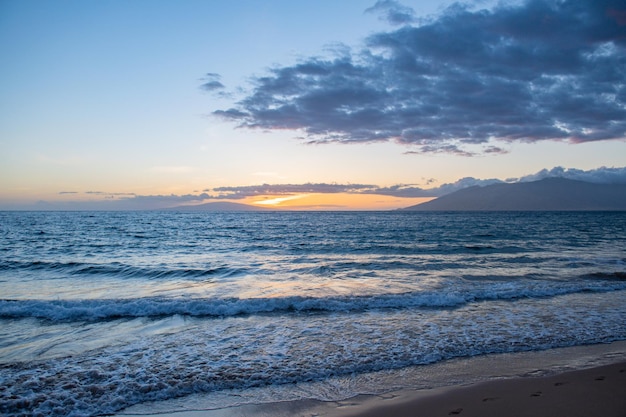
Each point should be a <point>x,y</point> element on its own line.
<point>103,310</point>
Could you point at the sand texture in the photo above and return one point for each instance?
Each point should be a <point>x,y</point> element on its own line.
<point>593,392</point>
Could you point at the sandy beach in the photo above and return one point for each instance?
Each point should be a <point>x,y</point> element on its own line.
<point>596,391</point>
<point>591,392</point>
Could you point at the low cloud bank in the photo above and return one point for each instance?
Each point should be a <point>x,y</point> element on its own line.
<point>129,201</point>
<point>599,176</point>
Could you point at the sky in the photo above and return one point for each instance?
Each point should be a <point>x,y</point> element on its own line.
<point>351,105</point>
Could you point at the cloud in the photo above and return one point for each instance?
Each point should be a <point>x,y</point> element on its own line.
<point>393,12</point>
<point>520,72</point>
<point>601,175</point>
<point>399,190</point>
<point>411,191</point>
<point>461,184</point>
<point>288,189</point>
<point>211,82</point>
<point>131,201</point>
<point>110,194</point>
<point>166,200</point>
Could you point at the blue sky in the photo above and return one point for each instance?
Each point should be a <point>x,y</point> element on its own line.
<point>124,104</point>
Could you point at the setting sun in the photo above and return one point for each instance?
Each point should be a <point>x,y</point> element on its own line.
<point>278,201</point>
<point>339,201</point>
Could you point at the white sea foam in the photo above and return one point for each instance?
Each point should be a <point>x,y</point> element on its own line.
<point>240,352</point>
<point>104,310</point>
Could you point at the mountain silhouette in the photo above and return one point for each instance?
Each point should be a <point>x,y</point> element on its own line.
<point>550,194</point>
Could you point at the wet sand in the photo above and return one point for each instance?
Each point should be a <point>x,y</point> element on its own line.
<point>597,391</point>
<point>593,392</point>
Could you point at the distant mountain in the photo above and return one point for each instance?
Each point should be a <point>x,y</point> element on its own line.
<point>219,206</point>
<point>556,194</point>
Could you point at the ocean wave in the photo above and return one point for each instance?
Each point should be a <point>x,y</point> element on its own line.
<point>106,309</point>
<point>609,276</point>
<point>119,270</point>
<point>209,357</point>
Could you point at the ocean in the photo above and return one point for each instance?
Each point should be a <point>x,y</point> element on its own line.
<point>101,311</point>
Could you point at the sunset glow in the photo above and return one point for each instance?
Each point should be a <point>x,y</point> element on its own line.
<point>285,207</point>
<point>341,201</point>
<point>229,101</point>
<point>278,201</point>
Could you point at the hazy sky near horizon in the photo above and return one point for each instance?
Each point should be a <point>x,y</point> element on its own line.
<point>351,104</point>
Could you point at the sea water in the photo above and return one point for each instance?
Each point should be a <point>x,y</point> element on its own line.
<point>100,311</point>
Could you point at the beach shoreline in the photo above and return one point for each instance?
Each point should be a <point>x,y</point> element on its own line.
<point>560,385</point>
<point>597,391</point>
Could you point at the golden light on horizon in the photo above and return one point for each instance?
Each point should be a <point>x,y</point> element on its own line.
<point>337,201</point>
<point>278,201</point>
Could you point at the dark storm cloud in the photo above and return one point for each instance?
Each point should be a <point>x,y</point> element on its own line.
<point>541,70</point>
